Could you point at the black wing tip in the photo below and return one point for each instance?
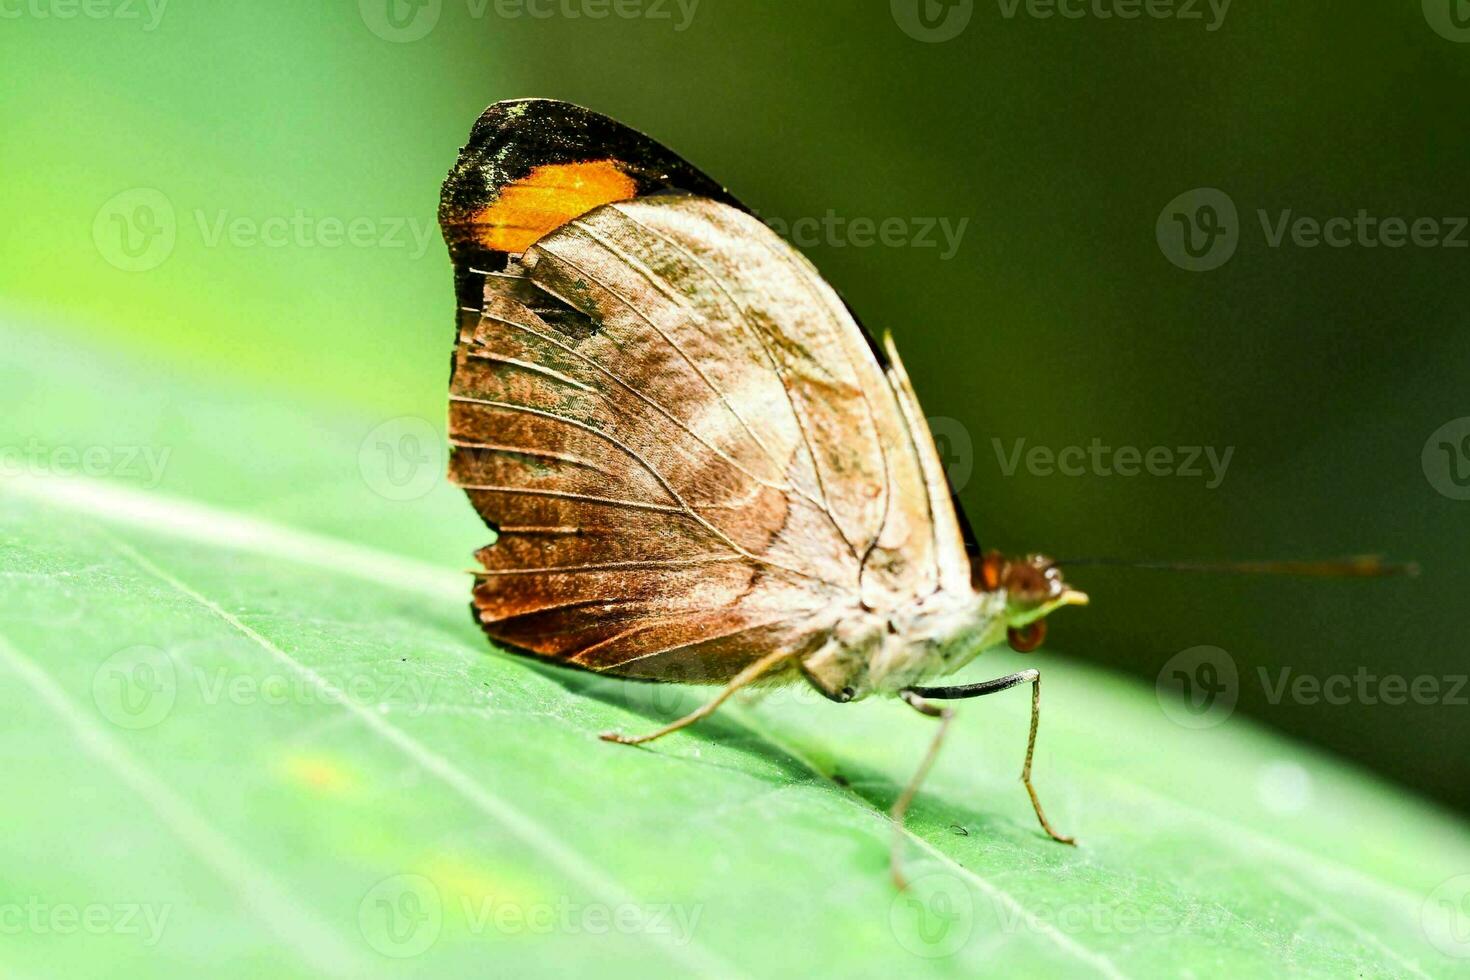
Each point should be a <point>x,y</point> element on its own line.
<point>512,137</point>
<point>528,111</point>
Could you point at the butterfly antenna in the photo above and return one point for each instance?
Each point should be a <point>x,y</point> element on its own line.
<point>1358,566</point>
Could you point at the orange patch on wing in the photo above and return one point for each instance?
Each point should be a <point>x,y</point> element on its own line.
<point>547,198</point>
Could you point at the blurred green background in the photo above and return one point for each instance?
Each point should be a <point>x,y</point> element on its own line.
<point>241,200</point>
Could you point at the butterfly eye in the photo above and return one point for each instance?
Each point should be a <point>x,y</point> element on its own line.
<point>1024,639</point>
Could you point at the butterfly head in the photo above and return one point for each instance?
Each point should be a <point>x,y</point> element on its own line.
<point>1033,587</point>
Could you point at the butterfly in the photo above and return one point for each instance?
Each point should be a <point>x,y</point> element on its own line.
<point>697,464</point>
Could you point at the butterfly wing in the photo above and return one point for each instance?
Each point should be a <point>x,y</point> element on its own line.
<point>533,164</point>
<point>684,440</point>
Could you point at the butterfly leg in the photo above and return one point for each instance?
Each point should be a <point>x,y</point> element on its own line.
<point>748,676</point>
<point>901,805</point>
<point>1032,677</point>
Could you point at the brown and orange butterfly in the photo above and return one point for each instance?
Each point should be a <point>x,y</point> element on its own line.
<point>698,466</point>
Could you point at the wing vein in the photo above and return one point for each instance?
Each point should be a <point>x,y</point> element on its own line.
<point>486,355</point>
<point>609,566</point>
<point>834,329</point>
<point>523,451</point>
<point>662,286</point>
<point>653,471</point>
<point>633,390</point>
<point>755,331</point>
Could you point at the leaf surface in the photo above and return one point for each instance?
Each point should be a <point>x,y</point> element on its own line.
<point>249,727</point>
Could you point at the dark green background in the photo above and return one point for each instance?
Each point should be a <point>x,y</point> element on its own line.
<point>1059,320</point>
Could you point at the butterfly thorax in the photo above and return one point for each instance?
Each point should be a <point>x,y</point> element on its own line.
<point>884,652</point>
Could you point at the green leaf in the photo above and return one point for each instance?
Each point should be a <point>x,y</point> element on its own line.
<point>250,729</point>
